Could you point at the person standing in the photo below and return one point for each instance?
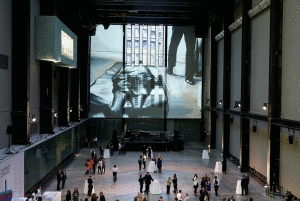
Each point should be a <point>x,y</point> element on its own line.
<point>115,169</point>
<point>231,198</point>
<point>101,149</point>
<point>95,141</point>
<point>63,178</point>
<point>39,194</point>
<point>195,179</point>
<point>92,152</point>
<point>248,180</point>
<point>208,185</point>
<point>154,159</point>
<point>75,194</point>
<point>159,165</point>
<point>120,147</point>
<point>90,166</point>
<point>140,161</point>
<point>68,196</point>
<point>86,143</point>
<point>186,197</point>
<point>175,183</point>
<point>202,184</point>
<point>90,182</point>
<point>58,176</point>
<point>216,185</point>
<point>103,166</point>
<point>99,166</point>
<point>202,193</point>
<point>169,182</point>
<point>244,183</point>
<point>148,180</point>
<point>95,159</point>
<point>179,195</point>
<point>141,181</point>
<point>102,197</point>
<point>144,160</point>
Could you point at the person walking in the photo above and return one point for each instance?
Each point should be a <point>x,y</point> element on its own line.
<point>175,183</point>
<point>141,181</point>
<point>202,194</point>
<point>195,179</point>
<point>90,182</point>
<point>63,178</point>
<point>140,161</point>
<point>75,194</point>
<point>159,165</point>
<point>58,176</point>
<point>115,169</point>
<point>169,182</point>
<point>216,185</point>
<point>148,180</point>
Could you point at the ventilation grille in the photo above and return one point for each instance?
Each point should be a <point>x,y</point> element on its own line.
<point>3,62</point>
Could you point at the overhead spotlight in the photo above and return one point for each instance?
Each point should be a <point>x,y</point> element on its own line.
<point>55,114</point>
<point>80,108</point>
<point>265,106</point>
<point>220,102</point>
<point>71,110</point>
<point>237,104</point>
<point>33,118</point>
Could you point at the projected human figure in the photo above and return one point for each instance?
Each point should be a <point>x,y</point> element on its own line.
<point>190,62</point>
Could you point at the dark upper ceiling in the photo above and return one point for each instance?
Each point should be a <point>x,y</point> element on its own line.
<point>169,12</point>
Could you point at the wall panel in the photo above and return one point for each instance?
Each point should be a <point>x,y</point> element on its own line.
<point>290,162</point>
<point>219,123</point>
<point>220,69</point>
<point>290,108</point>
<point>236,63</point>
<point>234,147</point>
<point>259,147</point>
<point>260,62</point>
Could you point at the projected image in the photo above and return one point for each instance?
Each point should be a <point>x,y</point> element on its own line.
<point>145,87</point>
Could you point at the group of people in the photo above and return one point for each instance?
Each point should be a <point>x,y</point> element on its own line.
<point>93,141</point>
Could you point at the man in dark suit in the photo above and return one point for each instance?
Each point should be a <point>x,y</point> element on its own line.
<point>244,183</point>
<point>63,178</point>
<point>95,159</point>
<point>231,198</point>
<point>58,176</point>
<point>202,194</point>
<point>248,179</point>
<point>101,150</point>
<point>148,180</point>
<point>90,182</point>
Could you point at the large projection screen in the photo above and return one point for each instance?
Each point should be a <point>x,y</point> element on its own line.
<point>144,87</point>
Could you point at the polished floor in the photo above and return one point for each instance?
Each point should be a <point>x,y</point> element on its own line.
<point>184,164</point>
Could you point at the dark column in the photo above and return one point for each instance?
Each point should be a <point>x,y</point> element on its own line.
<point>213,85</point>
<point>84,47</point>
<point>75,87</point>
<point>64,97</point>
<point>46,96</point>
<point>21,72</point>
<point>228,19</point>
<point>275,79</point>
<point>245,86</point>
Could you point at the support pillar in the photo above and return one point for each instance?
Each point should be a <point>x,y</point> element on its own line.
<point>274,100</point>
<point>245,86</point>
<point>21,72</point>
<point>228,19</point>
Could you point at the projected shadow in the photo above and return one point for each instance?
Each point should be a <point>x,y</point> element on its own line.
<point>129,92</point>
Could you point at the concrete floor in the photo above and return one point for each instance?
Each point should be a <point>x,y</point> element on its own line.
<point>185,164</point>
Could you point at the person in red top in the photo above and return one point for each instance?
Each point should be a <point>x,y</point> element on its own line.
<point>90,163</point>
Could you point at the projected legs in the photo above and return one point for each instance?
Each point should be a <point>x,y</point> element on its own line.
<point>190,62</point>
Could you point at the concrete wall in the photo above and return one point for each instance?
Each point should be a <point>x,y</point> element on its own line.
<point>290,107</point>
<point>290,162</point>
<point>234,143</point>
<point>260,62</point>
<point>236,59</point>
<point>5,75</point>
<point>259,147</point>
<point>220,72</point>
<point>34,66</point>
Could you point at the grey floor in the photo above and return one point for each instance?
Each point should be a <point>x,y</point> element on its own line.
<point>185,164</point>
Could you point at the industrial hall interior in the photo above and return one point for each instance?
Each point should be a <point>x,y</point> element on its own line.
<point>134,100</point>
